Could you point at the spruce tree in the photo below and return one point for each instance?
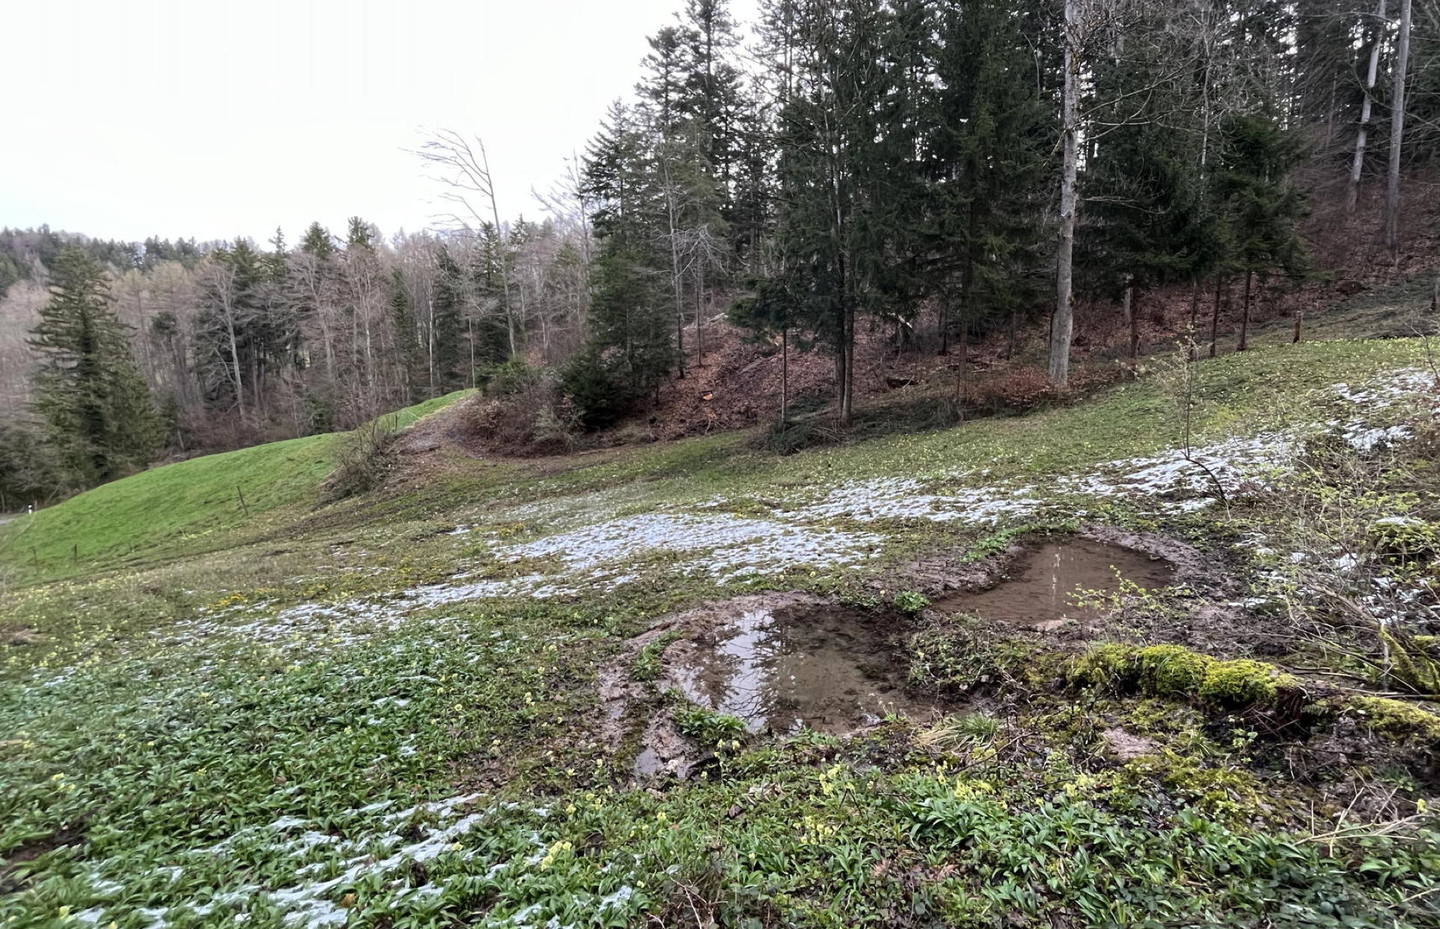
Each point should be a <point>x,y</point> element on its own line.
<point>449,325</point>
<point>407,346</point>
<point>627,352</point>
<point>99,415</point>
<point>989,158</point>
<point>1259,205</point>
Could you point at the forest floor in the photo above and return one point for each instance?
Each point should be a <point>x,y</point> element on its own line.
<point>696,683</point>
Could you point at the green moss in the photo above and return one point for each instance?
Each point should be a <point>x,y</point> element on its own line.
<point>1173,671</point>
<point>1239,684</point>
<point>1178,673</point>
<point>1228,791</point>
<point>1396,718</point>
<point>1414,661</point>
<point>1105,667</point>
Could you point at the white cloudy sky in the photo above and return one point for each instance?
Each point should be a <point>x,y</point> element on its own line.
<point>127,118</point>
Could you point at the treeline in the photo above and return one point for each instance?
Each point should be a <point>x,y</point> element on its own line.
<point>841,165</point>
<point>993,160</point>
<point>241,344</point>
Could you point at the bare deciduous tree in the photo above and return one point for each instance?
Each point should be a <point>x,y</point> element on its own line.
<point>465,170</point>
<point>1361,134</point>
<point>1397,131</point>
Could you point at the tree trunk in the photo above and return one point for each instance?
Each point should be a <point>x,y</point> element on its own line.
<point>1127,305</point>
<point>675,272</point>
<point>945,322</point>
<point>699,316</point>
<point>1194,303</point>
<point>1397,133</point>
<point>1299,320</point>
<point>500,258</point>
<point>470,337</point>
<point>1362,133</point>
<point>235,364</point>
<point>1245,315</point>
<point>961,372</point>
<point>1063,323</point>
<point>1215,314</point>
<point>784,376</point>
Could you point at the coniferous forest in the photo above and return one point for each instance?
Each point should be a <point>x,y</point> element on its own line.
<point>939,173</point>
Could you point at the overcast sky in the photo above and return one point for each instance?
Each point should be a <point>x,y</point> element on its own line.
<point>178,118</point>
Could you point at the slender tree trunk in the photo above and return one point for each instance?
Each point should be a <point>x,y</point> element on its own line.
<point>430,344</point>
<point>962,371</point>
<point>1215,314</point>
<point>1127,304</point>
<point>670,217</point>
<point>470,337</point>
<point>499,257</point>
<point>1397,133</point>
<point>235,365</point>
<point>699,316</point>
<point>1357,163</point>
<point>1062,324</point>
<point>1194,303</point>
<point>1245,315</point>
<point>1299,320</point>
<point>944,322</point>
<point>784,376</point>
<point>1330,115</point>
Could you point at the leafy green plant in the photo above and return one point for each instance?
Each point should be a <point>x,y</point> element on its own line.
<point>647,665</point>
<point>707,727</point>
<point>911,602</point>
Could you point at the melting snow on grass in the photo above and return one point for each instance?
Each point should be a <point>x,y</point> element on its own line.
<point>591,559</point>
<point>320,873</point>
<point>718,544</point>
<point>1171,480</point>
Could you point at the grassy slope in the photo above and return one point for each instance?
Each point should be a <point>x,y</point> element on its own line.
<point>192,505</point>
<point>154,743</point>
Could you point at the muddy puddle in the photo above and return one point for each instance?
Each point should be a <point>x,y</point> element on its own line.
<point>779,669</point>
<point>1039,591</point>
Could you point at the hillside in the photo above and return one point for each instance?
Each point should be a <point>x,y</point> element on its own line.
<point>566,691</point>
<point>188,506</point>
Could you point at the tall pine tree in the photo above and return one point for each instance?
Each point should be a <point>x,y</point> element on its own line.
<point>98,412</point>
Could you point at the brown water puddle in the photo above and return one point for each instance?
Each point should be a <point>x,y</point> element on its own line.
<point>1039,591</point>
<point>778,669</point>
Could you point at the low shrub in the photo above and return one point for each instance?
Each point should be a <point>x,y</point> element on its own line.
<point>507,378</point>
<point>363,460</point>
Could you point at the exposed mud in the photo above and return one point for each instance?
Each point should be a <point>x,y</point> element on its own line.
<point>778,663</point>
<point>25,635</point>
<point>783,669</point>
